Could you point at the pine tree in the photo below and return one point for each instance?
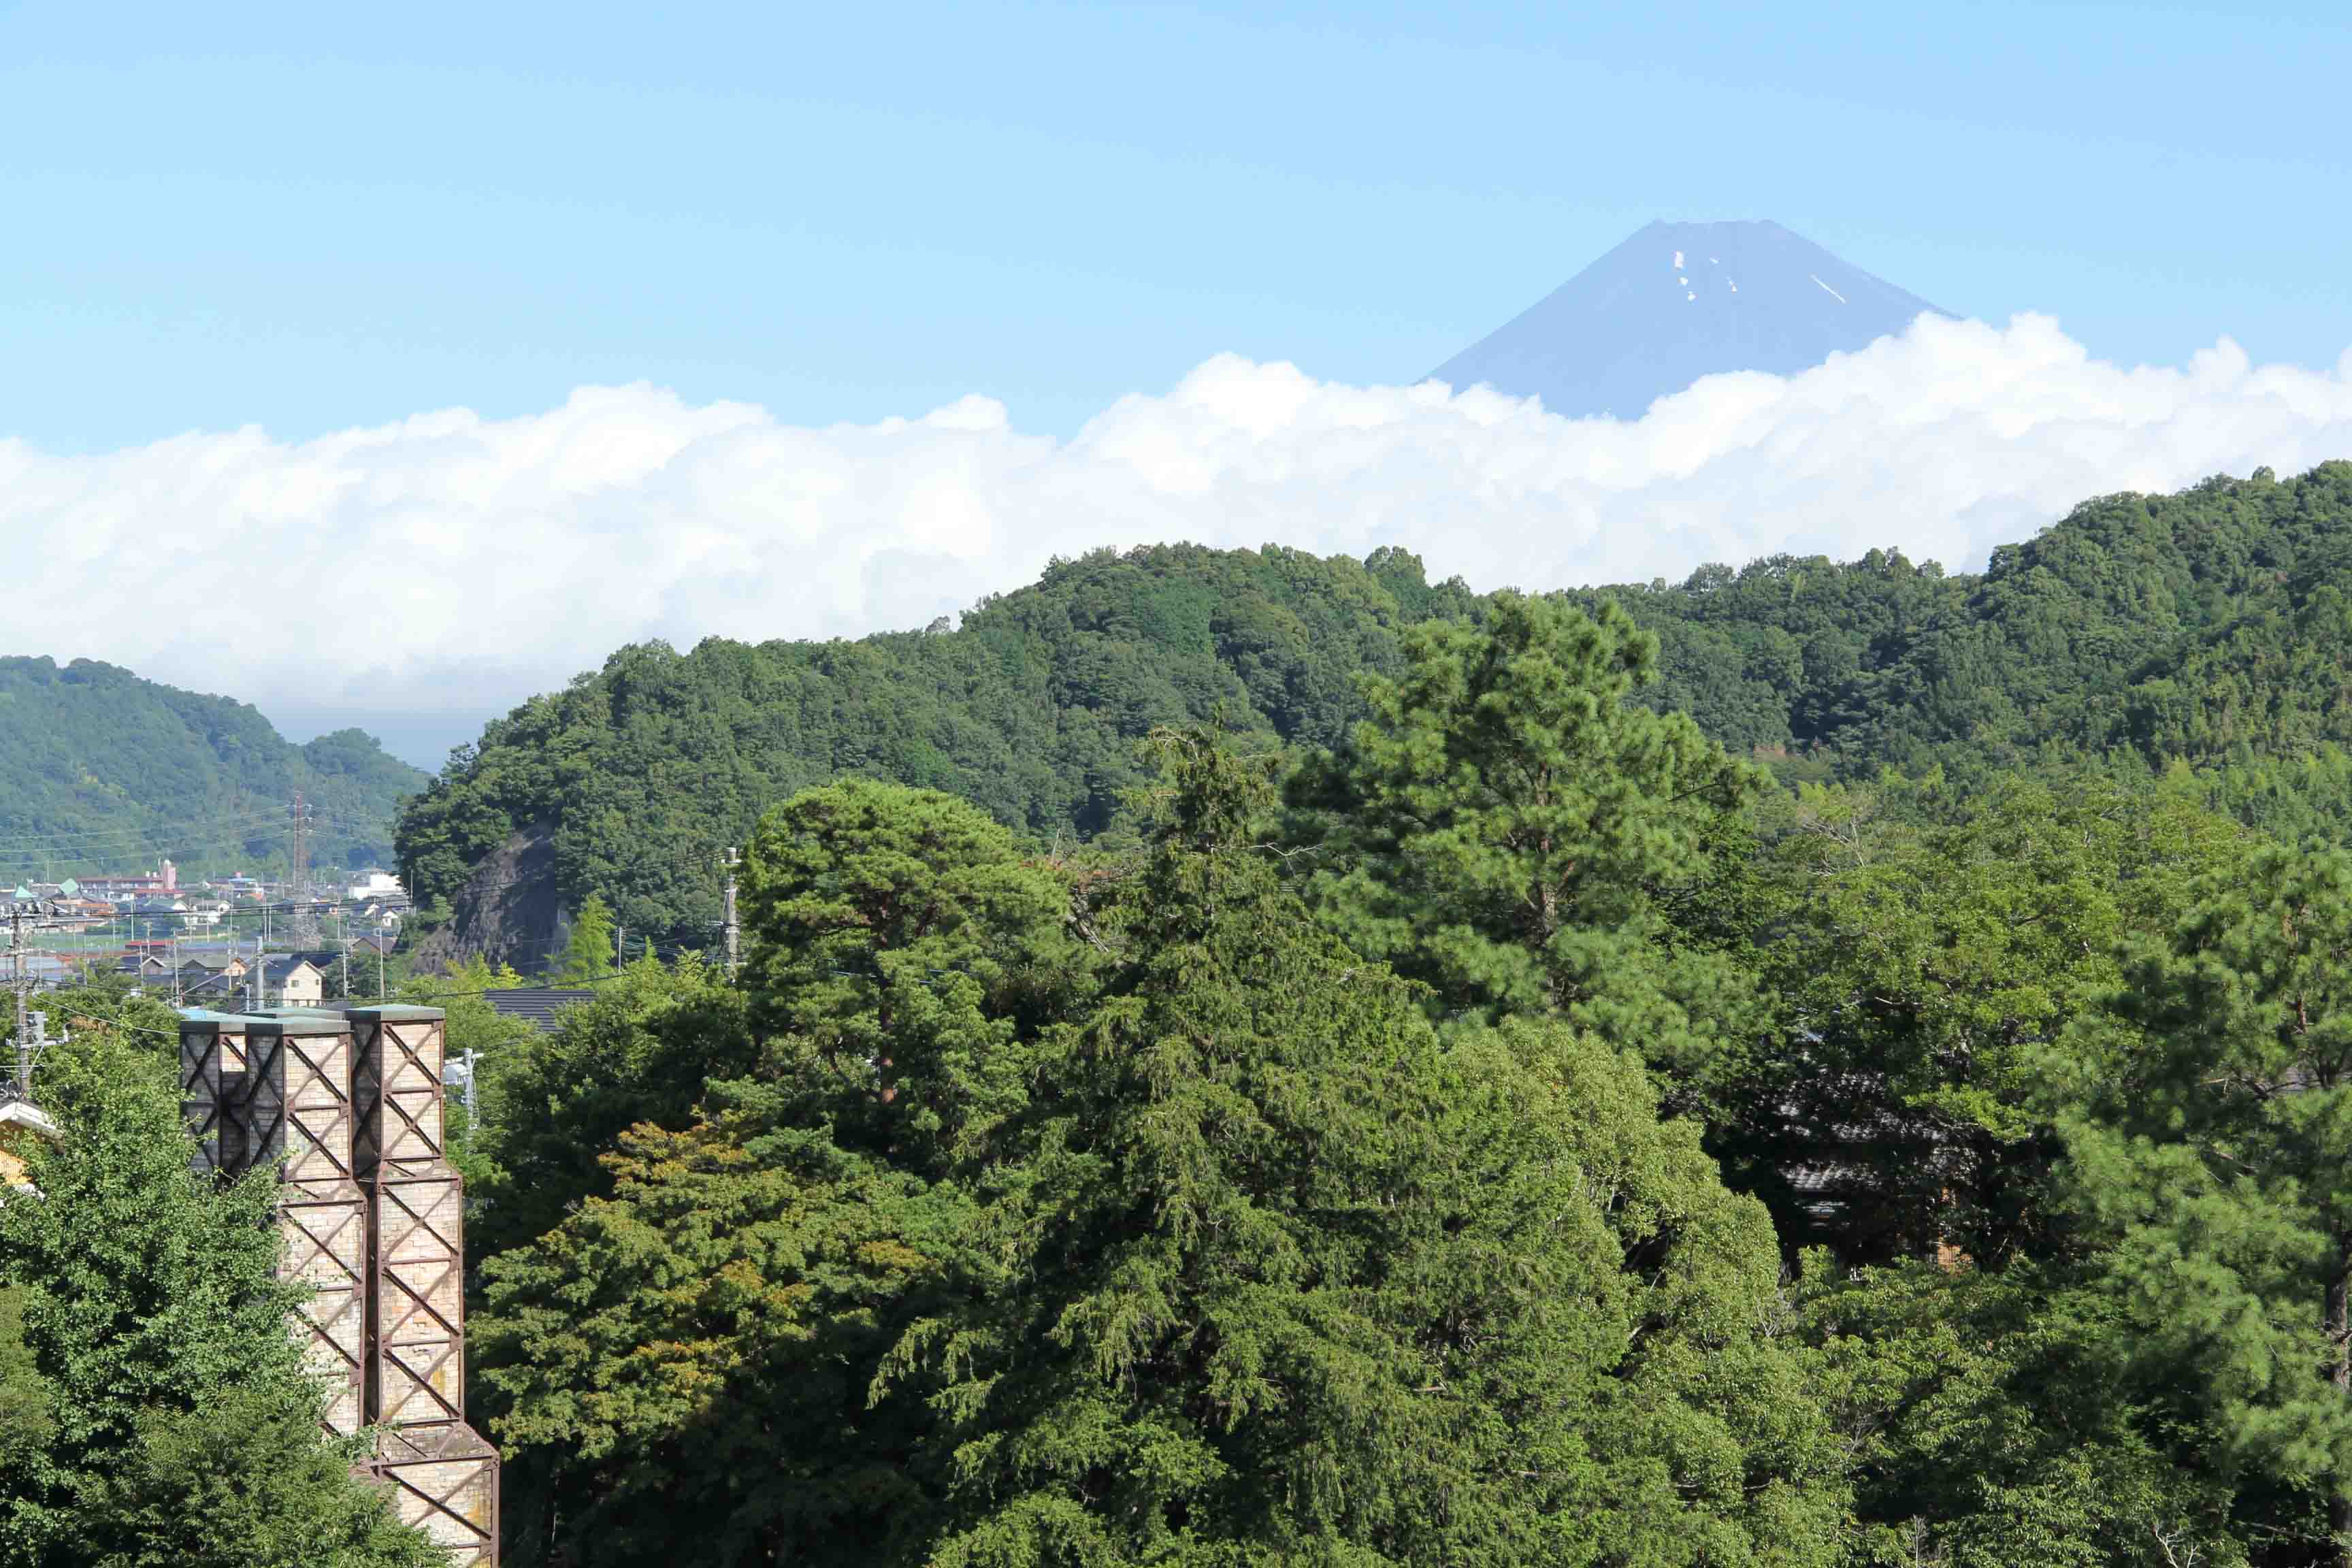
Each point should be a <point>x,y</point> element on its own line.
<point>1243,1263</point>
<point>2209,1145</point>
<point>1312,1283</point>
<point>1510,827</point>
<point>692,1361</point>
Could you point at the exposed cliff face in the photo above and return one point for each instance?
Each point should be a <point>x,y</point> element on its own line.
<point>507,911</point>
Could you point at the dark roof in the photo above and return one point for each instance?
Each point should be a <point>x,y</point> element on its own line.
<point>536,1005</point>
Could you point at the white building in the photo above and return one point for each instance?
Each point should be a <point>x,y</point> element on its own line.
<point>375,884</point>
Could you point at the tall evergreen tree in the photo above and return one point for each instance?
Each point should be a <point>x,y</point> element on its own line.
<point>1245,1264</point>
<point>2210,1145</point>
<point>1511,828</point>
<point>1312,1284</point>
<point>2002,1420</point>
<point>590,954</point>
<point>905,952</point>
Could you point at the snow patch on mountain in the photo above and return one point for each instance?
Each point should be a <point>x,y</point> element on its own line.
<point>1609,340</point>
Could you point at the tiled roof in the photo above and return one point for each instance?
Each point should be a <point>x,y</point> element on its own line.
<point>535,1005</point>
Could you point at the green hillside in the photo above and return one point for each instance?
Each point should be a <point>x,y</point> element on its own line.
<point>103,770</point>
<point>642,773</point>
<point>2209,626</point>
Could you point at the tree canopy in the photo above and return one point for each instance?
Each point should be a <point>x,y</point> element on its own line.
<point>155,1409</point>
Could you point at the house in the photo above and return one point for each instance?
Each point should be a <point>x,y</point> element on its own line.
<point>22,1125</point>
<point>375,887</point>
<point>200,984</point>
<point>537,1005</point>
<point>287,980</point>
<point>163,882</point>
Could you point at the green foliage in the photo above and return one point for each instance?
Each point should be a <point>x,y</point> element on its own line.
<point>2201,627</point>
<point>638,1051</point>
<point>1255,1187</point>
<point>242,1481</point>
<point>115,1001</point>
<point>1927,945</point>
<point>906,955</point>
<point>1326,1287</point>
<point>686,1366</point>
<point>901,944</point>
<point>28,1418</point>
<point>1509,828</point>
<point>1244,1263</point>
<point>644,772</point>
<point>1997,1421</point>
<point>2204,1121</point>
<point>2206,627</point>
<point>88,749</point>
<point>591,952</point>
<point>177,1409</point>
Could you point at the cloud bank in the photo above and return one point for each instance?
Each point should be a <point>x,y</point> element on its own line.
<point>450,562</point>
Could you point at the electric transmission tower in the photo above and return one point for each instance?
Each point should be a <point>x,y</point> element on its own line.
<point>298,879</point>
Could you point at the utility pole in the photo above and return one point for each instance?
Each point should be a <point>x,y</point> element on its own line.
<point>346,957</point>
<point>20,983</point>
<point>734,930</point>
<point>379,966</point>
<point>32,1029</point>
<point>620,948</point>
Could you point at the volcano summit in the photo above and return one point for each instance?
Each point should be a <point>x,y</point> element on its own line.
<point>1677,301</point>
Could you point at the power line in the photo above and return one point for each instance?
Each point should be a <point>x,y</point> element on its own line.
<point>123,839</point>
<point>227,813</point>
<point>346,818</point>
<point>93,840</point>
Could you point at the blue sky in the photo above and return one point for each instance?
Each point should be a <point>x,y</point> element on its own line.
<point>311,218</point>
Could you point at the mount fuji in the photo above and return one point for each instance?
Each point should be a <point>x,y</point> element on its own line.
<point>1677,301</point>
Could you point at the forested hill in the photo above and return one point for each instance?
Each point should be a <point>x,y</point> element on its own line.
<point>2210,626</point>
<point>634,779</point>
<point>103,770</point>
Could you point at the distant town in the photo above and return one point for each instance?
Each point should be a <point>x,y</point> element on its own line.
<point>229,942</point>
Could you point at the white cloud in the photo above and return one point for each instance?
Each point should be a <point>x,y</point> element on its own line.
<point>453,561</point>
